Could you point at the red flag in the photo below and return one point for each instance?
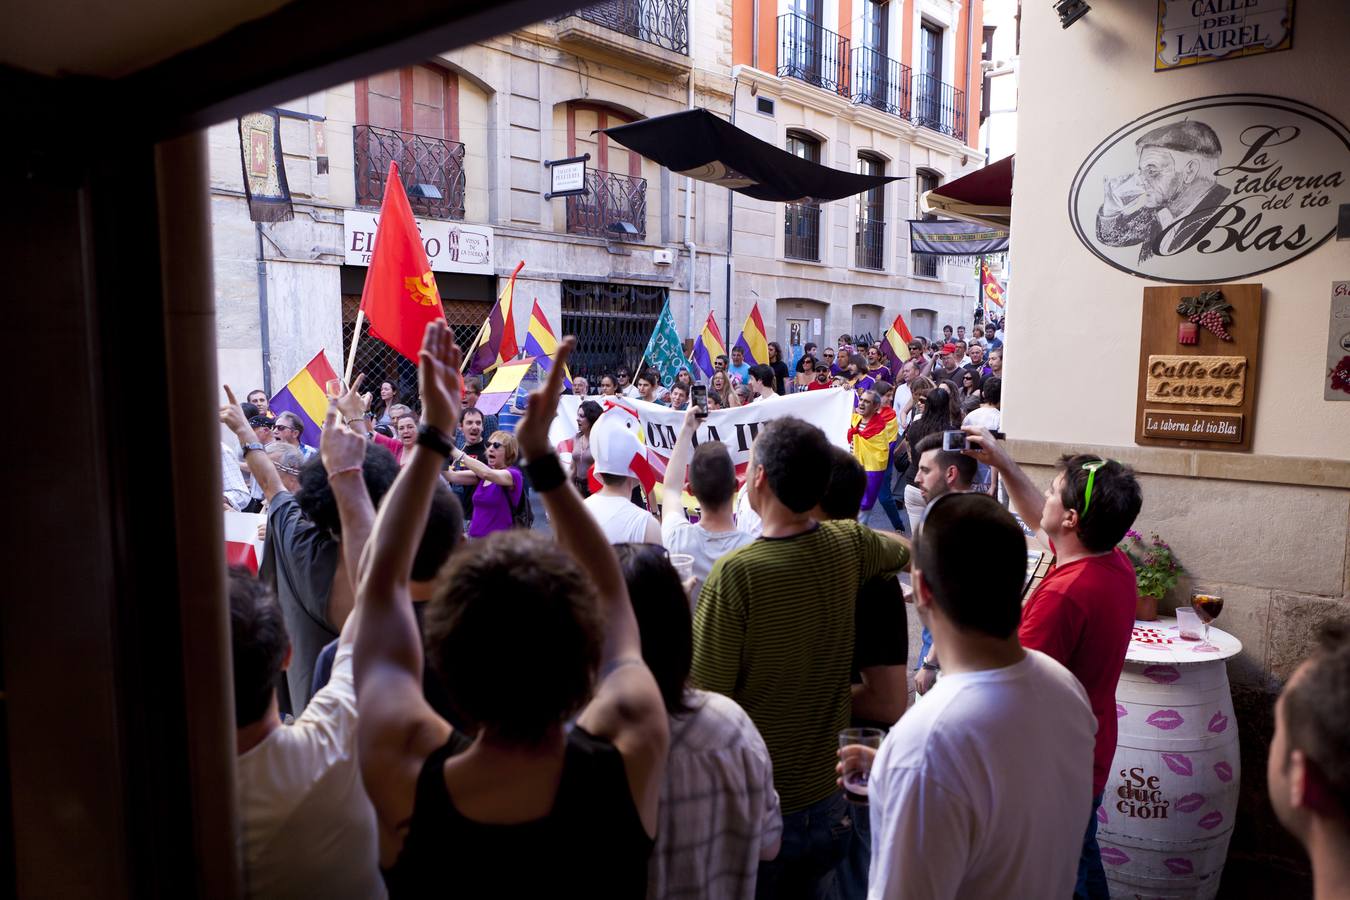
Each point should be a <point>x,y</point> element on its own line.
<point>989,282</point>
<point>400,296</point>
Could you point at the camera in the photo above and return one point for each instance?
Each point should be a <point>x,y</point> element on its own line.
<point>954,440</point>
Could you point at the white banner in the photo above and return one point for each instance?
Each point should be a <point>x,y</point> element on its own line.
<point>829,410</point>
<point>243,547</point>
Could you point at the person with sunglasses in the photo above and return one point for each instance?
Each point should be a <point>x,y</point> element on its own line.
<point>501,486</point>
<point>287,428</point>
<point>1082,614</point>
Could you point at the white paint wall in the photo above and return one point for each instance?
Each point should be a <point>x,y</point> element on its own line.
<point>1073,353</point>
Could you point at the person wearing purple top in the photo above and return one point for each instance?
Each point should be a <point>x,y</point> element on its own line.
<point>856,372</point>
<point>498,493</point>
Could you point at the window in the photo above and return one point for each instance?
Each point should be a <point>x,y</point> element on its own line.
<point>421,99</point>
<point>870,238</point>
<point>801,221</point>
<point>615,203</point>
<point>925,264</point>
<point>612,324</point>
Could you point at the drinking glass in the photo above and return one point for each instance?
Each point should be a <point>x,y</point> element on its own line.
<point>858,766</point>
<point>1188,624</point>
<point>1207,607</point>
<point>684,564</point>
<point>333,388</point>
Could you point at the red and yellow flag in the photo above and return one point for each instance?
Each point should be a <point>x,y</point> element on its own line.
<point>400,296</point>
<point>993,291</point>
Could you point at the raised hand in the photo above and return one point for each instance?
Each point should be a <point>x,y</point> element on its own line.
<point>439,379</point>
<point>339,446</point>
<point>232,417</point>
<point>532,430</point>
<point>353,405</point>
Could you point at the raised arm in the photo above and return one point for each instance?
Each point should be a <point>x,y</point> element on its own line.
<point>482,470</point>
<point>1026,498</point>
<point>672,489</point>
<point>259,463</point>
<point>352,406</point>
<point>343,452</point>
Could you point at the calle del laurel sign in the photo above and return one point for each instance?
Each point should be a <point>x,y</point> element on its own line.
<point>1213,189</point>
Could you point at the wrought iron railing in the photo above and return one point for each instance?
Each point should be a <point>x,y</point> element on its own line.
<point>801,231</point>
<point>880,82</point>
<point>431,169</point>
<point>939,106</point>
<point>870,244</point>
<point>664,23</point>
<point>614,206</point>
<point>811,53</point>
<point>926,265</point>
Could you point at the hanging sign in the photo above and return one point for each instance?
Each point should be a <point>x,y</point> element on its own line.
<point>1198,353</point>
<point>450,246</point>
<point>566,177</point>
<point>1191,32</point>
<point>1338,344</point>
<point>1213,189</point>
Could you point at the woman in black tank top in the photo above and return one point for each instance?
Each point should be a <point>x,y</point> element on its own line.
<point>524,634</point>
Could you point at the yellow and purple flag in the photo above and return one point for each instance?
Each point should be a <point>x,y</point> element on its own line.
<point>753,341</point>
<point>541,343</point>
<point>505,381</point>
<point>708,346</point>
<point>895,344</point>
<point>304,395</point>
<point>496,341</point>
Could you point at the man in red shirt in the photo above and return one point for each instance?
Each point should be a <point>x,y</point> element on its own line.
<point>1082,614</point>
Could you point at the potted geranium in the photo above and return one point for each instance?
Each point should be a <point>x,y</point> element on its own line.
<point>1156,571</point>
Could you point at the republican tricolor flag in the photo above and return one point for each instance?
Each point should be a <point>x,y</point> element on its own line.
<point>400,296</point>
<point>541,343</point>
<point>708,346</point>
<point>305,395</point>
<point>895,345</point>
<point>753,340</point>
<point>496,341</point>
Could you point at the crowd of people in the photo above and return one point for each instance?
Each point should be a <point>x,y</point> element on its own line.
<point>651,702</point>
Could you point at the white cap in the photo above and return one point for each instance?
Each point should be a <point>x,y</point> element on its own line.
<point>614,442</point>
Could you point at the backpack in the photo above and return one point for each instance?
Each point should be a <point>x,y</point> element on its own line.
<point>522,514</point>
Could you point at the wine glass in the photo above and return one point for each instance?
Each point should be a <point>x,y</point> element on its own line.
<point>1207,607</point>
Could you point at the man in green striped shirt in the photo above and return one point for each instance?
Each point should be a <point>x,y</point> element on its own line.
<point>783,650</point>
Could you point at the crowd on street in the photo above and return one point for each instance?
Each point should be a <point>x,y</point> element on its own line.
<point>701,691</point>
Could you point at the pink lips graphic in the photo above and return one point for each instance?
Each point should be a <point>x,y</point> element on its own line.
<point>1178,762</point>
<point>1114,856</point>
<point>1162,674</point>
<point>1190,802</point>
<point>1179,866</point>
<point>1224,771</point>
<point>1121,712</point>
<point>1101,815</point>
<point>1165,719</point>
<point>1211,821</point>
<point>1204,648</point>
<point>1219,723</point>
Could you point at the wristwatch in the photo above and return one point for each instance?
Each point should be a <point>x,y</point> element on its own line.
<point>434,439</point>
<point>251,445</point>
<point>932,667</point>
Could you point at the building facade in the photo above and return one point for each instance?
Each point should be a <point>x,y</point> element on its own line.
<point>472,130</point>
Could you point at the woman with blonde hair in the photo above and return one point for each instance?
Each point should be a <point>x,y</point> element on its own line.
<point>501,488</point>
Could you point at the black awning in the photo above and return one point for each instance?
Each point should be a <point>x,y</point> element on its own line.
<point>700,145</point>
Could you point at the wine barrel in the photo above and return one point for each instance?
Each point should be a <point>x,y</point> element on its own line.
<point>1168,808</point>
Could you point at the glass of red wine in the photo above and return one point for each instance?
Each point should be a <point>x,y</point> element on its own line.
<point>857,748</point>
<point>1207,607</point>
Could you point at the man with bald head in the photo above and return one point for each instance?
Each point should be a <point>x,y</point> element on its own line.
<point>1168,200</point>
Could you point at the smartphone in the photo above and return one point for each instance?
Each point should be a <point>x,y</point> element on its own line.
<point>954,440</point>
<point>701,400</point>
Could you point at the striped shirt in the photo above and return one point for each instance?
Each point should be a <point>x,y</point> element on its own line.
<point>783,651</point>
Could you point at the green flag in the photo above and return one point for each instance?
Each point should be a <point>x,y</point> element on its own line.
<point>665,351</point>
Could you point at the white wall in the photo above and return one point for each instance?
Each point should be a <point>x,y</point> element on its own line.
<point>1073,352</point>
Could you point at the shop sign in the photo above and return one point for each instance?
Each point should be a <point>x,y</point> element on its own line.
<point>1191,32</point>
<point>450,246</point>
<point>1338,344</point>
<point>1213,189</point>
<point>1198,355</point>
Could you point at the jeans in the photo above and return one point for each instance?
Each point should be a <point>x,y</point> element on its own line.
<point>1091,876</point>
<point>924,647</point>
<point>887,501</point>
<point>851,876</point>
<point>815,841</point>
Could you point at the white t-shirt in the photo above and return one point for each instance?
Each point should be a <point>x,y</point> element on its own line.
<point>985,788</point>
<point>985,417</point>
<point>747,520</point>
<point>703,545</point>
<point>619,518</point>
<point>308,827</point>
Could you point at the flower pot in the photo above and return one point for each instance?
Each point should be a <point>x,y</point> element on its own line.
<point>1146,608</point>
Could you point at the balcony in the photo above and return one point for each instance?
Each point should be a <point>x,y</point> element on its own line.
<point>939,106</point>
<point>431,169</point>
<point>614,207</point>
<point>870,244</point>
<point>880,82</point>
<point>811,53</point>
<point>801,231</point>
<point>664,23</point>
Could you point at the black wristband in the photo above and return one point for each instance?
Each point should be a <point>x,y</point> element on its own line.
<point>434,439</point>
<point>545,473</point>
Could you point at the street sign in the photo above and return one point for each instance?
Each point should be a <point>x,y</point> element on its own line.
<point>567,177</point>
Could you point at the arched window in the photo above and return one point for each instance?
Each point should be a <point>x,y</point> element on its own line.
<point>801,221</point>
<point>615,203</point>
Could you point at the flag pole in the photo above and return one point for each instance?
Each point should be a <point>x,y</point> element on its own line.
<point>979,286</point>
<point>478,339</point>
<point>351,354</point>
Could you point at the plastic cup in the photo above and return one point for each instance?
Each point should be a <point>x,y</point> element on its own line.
<point>1188,624</point>
<point>858,766</point>
<point>684,565</point>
